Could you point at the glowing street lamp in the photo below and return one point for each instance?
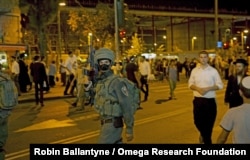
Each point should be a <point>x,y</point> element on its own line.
<point>62,4</point>
<point>242,39</point>
<point>166,45</point>
<point>193,39</point>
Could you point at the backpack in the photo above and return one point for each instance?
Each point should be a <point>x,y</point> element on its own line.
<point>8,92</point>
<point>133,91</point>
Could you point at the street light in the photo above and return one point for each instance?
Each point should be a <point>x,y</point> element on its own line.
<point>123,41</point>
<point>166,45</point>
<point>155,44</point>
<point>193,39</point>
<point>242,39</point>
<point>59,27</point>
<point>90,42</point>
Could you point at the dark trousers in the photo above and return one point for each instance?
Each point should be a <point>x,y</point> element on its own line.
<point>3,131</point>
<point>144,82</point>
<point>47,84</point>
<point>204,111</point>
<point>63,78</point>
<point>39,92</point>
<point>187,73</point>
<point>15,78</point>
<point>52,82</point>
<point>71,77</point>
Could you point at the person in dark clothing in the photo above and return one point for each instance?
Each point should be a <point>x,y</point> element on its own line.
<point>145,71</point>
<point>159,70</point>
<point>192,65</point>
<point>132,71</point>
<point>46,86</point>
<point>179,68</point>
<point>38,73</point>
<point>232,95</point>
<point>24,79</point>
<point>186,67</point>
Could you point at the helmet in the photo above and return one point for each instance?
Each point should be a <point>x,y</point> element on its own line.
<point>104,53</point>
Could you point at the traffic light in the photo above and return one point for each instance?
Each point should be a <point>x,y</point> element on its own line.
<point>226,45</point>
<point>122,34</point>
<point>120,12</point>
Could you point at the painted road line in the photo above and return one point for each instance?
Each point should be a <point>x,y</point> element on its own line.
<point>85,136</point>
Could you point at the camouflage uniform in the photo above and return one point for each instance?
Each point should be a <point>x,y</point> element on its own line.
<point>4,115</point>
<point>112,103</point>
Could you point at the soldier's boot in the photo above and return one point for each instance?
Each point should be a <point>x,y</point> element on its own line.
<point>2,154</point>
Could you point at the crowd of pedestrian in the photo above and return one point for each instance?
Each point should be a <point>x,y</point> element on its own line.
<point>204,77</point>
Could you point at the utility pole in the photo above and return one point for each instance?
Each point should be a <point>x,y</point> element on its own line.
<point>116,32</point>
<point>216,23</point>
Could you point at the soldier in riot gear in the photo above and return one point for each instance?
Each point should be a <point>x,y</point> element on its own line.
<point>111,101</point>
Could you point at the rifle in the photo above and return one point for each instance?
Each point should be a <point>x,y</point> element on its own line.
<point>93,72</point>
<point>93,67</point>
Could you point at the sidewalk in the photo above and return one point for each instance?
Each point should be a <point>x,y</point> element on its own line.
<point>54,93</point>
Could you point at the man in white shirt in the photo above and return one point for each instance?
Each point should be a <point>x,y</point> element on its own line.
<point>237,119</point>
<point>15,70</point>
<point>70,66</point>
<point>145,71</point>
<point>204,80</point>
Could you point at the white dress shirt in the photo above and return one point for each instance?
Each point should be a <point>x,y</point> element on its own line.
<point>144,68</point>
<point>69,64</point>
<point>15,67</point>
<point>206,77</point>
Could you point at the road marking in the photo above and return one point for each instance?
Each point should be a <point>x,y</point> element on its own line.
<point>88,135</point>
<point>86,117</point>
<point>48,124</point>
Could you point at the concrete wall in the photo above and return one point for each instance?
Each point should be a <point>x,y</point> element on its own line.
<point>10,22</point>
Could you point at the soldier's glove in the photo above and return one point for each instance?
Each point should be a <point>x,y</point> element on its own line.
<point>129,137</point>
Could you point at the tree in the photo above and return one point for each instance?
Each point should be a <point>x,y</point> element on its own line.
<point>100,23</point>
<point>136,46</point>
<point>40,13</point>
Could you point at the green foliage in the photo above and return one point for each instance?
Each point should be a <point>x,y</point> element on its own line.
<point>137,46</point>
<point>40,12</point>
<point>100,23</point>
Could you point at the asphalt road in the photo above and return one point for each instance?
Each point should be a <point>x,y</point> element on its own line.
<point>160,121</point>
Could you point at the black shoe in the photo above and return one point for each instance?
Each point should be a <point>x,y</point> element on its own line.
<point>80,109</point>
<point>42,104</point>
<point>86,104</point>
<point>74,104</point>
<point>139,108</point>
